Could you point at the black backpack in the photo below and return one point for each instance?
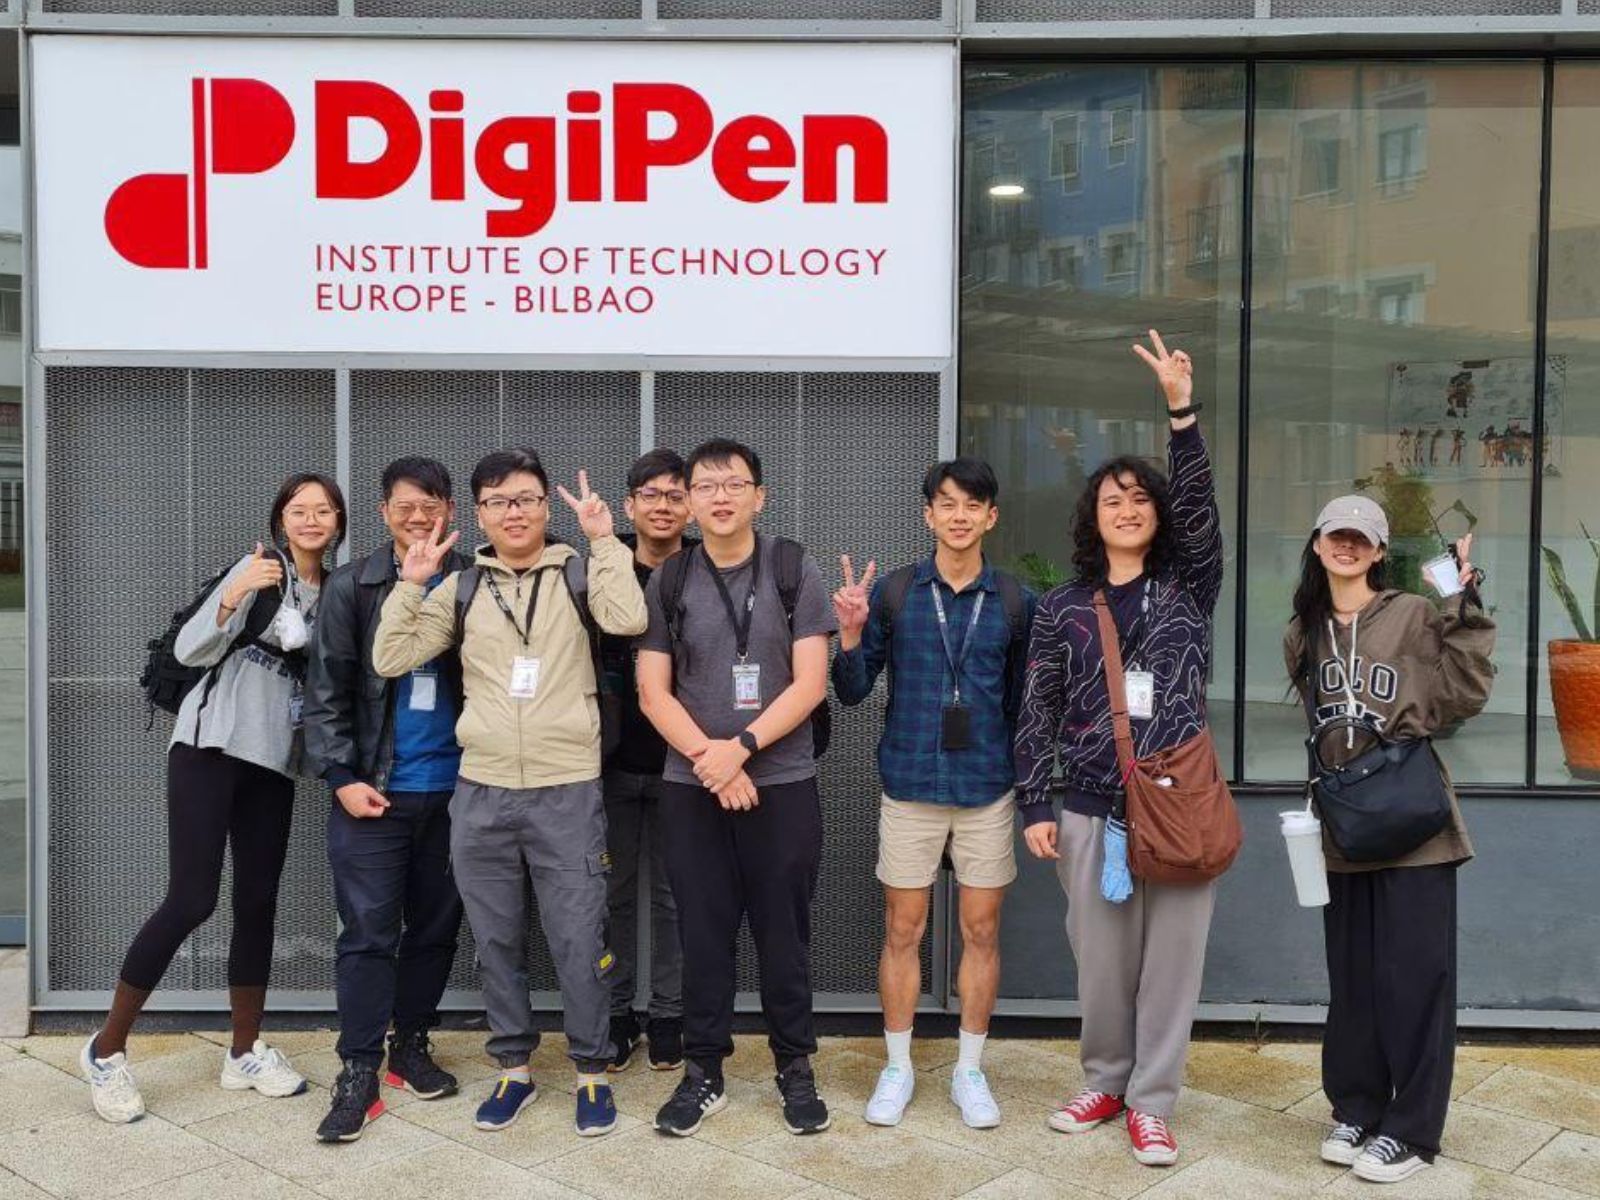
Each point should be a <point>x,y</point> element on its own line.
<point>897,586</point>
<point>788,570</point>
<point>165,681</point>
<point>575,574</point>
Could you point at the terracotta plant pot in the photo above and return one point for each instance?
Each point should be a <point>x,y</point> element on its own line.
<point>1575,690</point>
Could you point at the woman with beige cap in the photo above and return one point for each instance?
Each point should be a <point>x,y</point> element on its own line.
<point>1400,667</point>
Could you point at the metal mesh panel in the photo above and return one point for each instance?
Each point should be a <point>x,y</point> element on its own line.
<point>1416,8</point>
<point>503,10</point>
<point>832,446</point>
<point>801,10</point>
<point>177,442</point>
<point>189,8</point>
<point>1115,10</point>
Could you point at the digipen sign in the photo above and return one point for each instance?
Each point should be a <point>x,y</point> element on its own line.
<point>481,197</point>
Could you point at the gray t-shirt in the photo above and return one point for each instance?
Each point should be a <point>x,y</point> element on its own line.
<point>702,675</point>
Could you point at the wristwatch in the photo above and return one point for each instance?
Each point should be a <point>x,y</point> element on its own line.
<point>748,741</point>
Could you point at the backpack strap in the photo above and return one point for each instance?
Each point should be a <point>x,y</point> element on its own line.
<point>1016,610</point>
<point>575,574</point>
<point>467,580</point>
<point>895,589</point>
<point>674,572</point>
<point>788,569</point>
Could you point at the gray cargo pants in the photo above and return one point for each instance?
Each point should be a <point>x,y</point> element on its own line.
<point>557,837</point>
<point>1139,968</point>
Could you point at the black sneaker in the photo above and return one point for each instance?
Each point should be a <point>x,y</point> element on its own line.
<point>1388,1160</point>
<point>625,1037</point>
<point>666,1043</point>
<point>355,1104</point>
<point>411,1066</point>
<point>803,1109</point>
<point>1343,1145</point>
<point>697,1096</point>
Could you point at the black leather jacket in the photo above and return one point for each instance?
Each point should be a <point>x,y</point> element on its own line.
<point>349,707</point>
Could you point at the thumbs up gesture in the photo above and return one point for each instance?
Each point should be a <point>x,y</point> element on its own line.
<point>259,573</point>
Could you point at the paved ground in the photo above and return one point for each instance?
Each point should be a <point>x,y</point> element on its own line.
<point>1525,1126</point>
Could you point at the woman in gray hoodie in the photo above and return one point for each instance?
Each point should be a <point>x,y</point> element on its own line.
<point>231,764</point>
<point>1404,667</point>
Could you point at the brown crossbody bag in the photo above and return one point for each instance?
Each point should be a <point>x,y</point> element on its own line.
<point>1183,827</point>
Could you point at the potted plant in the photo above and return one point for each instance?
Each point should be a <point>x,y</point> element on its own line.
<point>1575,670</point>
<point>1407,500</point>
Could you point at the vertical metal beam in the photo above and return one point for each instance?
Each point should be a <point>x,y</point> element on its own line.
<point>1541,338</point>
<point>341,437</point>
<point>647,411</point>
<point>1241,536</point>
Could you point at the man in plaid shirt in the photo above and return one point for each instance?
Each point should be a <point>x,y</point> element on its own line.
<point>953,632</point>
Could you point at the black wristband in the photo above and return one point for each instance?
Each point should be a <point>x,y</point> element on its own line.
<point>748,741</point>
<point>1188,410</point>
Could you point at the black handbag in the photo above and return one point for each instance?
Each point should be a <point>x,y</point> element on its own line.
<point>1383,803</point>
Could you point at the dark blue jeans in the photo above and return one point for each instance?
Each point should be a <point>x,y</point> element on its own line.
<point>401,915</point>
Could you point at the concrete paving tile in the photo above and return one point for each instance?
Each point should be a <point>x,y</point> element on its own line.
<point>819,1192</point>
<point>444,1173</point>
<point>1022,1139</point>
<point>184,1088</point>
<point>9,1054</point>
<point>1219,1177</point>
<point>1571,1160</point>
<point>1279,1143</point>
<point>281,1136</point>
<point>641,1164</point>
<point>1525,1093</point>
<point>1492,1139</point>
<point>1451,1180</point>
<point>1044,1072</point>
<point>753,1112</point>
<point>1305,1054</point>
<point>879,1164</point>
<point>1469,1073</point>
<point>543,1131</point>
<point>287,1041</point>
<point>752,1059</point>
<point>926,1052</point>
<point>69,1158</point>
<point>1578,1063</point>
<point>14,1188</point>
<point>62,1052</point>
<point>1099,1160</point>
<point>1238,1071</point>
<point>322,1067</point>
<point>1022,1184</point>
<point>33,1093</point>
<point>235,1179</point>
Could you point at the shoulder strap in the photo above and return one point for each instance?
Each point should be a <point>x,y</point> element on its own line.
<point>466,588</point>
<point>1111,649</point>
<point>575,574</point>
<point>674,572</point>
<point>1016,610</point>
<point>896,587</point>
<point>1011,602</point>
<point>788,569</point>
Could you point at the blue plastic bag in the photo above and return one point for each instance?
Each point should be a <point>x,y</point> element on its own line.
<point>1116,882</point>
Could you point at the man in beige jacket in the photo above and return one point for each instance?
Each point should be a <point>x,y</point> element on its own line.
<point>529,796</point>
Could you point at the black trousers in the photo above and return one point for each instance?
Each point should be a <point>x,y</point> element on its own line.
<point>725,867</point>
<point>216,803</point>
<point>401,916</point>
<point>1389,1051</point>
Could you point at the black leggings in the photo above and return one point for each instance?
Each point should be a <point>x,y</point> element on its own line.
<point>214,801</point>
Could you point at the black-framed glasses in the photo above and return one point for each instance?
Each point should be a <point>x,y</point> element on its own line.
<point>676,497</point>
<point>498,506</point>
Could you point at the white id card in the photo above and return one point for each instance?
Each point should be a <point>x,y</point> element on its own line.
<point>424,691</point>
<point>524,678</point>
<point>297,707</point>
<point>746,686</point>
<point>1141,688</point>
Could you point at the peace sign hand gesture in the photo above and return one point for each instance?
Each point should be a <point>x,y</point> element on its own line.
<point>851,603</point>
<point>594,515</point>
<point>1174,371</point>
<point>425,558</point>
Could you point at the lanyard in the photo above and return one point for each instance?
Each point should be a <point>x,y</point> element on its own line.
<point>955,660</point>
<point>740,630</point>
<point>1132,638</point>
<point>533,603</point>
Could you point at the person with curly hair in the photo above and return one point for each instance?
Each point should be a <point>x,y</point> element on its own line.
<point>1153,544</point>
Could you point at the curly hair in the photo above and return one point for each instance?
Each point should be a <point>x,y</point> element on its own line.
<point>1089,551</point>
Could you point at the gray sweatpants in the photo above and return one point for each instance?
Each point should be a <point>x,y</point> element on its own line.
<point>633,829</point>
<point>1139,969</point>
<point>557,837</point>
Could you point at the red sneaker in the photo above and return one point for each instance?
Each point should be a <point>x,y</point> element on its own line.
<point>1153,1144</point>
<point>1084,1111</point>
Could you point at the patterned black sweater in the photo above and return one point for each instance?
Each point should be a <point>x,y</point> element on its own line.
<point>1066,710</point>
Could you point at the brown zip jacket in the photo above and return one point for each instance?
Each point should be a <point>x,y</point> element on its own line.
<point>1418,668</point>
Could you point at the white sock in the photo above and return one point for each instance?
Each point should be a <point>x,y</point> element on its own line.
<point>522,1074</point>
<point>971,1052</point>
<point>585,1079</point>
<point>899,1048</point>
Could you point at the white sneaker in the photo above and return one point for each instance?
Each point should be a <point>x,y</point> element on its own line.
<point>1343,1145</point>
<point>970,1091</point>
<point>1388,1160</point>
<point>264,1069</point>
<point>889,1099</point>
<point>116,1095</point>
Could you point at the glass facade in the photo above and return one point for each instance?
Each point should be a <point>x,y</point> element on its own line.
<point>1392,344</point>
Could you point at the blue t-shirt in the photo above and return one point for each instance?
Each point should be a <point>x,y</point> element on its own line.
<point>426,755</point>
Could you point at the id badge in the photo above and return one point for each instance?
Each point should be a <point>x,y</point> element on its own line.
<point>524,678</point>
<point>956,727</point>
<point>1141,688</point>
<point>297,707</point>
<point>424,691</point>
<point>746,686</point>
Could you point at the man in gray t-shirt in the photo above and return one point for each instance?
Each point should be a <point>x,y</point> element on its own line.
<point>730,670</point>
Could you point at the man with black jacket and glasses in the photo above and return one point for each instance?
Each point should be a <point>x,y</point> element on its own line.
<point>388,749</point>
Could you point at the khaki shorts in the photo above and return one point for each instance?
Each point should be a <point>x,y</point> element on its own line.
<point>912,838</point>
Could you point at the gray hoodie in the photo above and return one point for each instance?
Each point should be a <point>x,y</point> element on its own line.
<point>1418,668</point>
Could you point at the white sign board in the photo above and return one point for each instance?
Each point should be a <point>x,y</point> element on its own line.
<point>220,194</point>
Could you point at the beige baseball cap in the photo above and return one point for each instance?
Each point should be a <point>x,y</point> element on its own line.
<point>1359,513</point>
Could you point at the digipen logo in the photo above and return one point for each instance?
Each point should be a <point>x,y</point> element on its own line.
<point>241,127</point>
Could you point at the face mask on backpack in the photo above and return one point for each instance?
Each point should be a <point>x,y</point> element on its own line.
<point>290,628</point>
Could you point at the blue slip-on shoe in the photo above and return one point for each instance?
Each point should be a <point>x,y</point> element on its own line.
<point>509,1098</point>
<point>597,1111</point>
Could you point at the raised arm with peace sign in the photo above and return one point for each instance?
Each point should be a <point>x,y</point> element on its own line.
<point>851,603</point>
<point>594,515</point>
<point>1173,370</point>
<point>425,558</point>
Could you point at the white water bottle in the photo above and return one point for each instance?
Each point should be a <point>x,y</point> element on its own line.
<point>1302,833</point>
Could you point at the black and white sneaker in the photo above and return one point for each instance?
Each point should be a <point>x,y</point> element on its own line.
<point>697,1096</point>
<point>356,1104</point>
<point>1343,1145</point>
<point>625,1038</point>
<point>1388,1160</point>
<point>803,1109</point>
